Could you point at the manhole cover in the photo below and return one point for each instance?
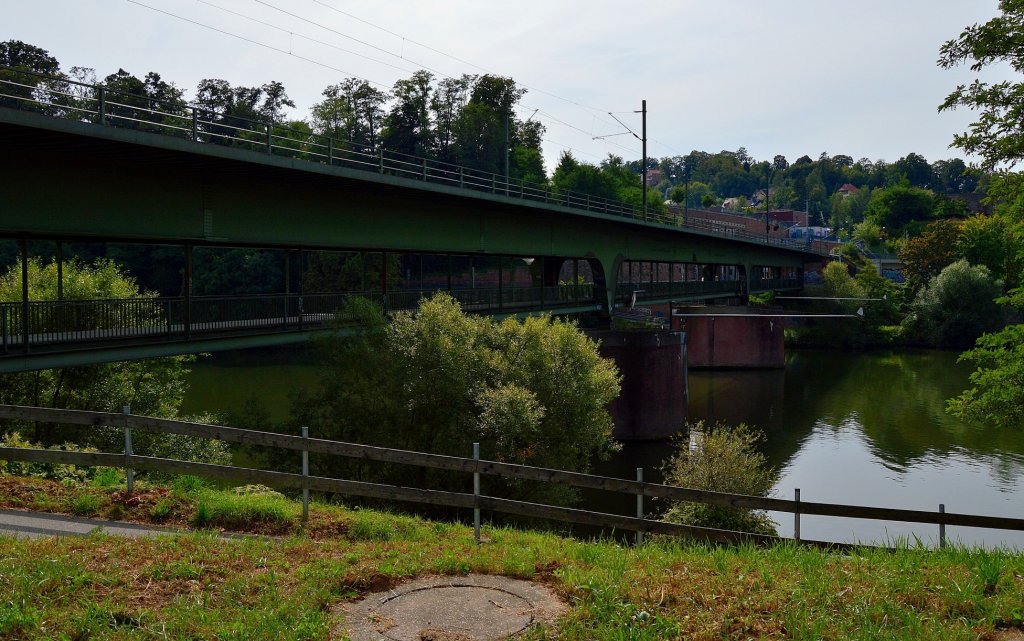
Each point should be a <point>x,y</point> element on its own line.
<point>470,608</point>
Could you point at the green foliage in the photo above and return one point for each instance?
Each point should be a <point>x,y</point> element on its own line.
<point>437,380</point>
<point>868,232</point>
<point>927,254</point>
<point>956,306</point>
<point>997,136</point>
<point>720,459</point>
<point>152,387</point>
<point>244,511</point>
<point>57,471</point>
<point>997,393</point>
<point>988,241</point>
<point>894,207</point>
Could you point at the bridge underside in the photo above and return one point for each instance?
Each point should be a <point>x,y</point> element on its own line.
<point>66,181</point>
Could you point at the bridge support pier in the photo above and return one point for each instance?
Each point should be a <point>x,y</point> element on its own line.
<point>731,337</point>
<point>653,402</point>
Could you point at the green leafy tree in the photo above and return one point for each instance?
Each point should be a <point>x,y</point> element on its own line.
<point>137,101</point>
<point>897,206</point>
<point>352,112</point>
<point>956,307</point>
<point>989,241</point>
<point>925,255</point>
<point>532,391</point>
<point>407,124</point>
<point>997,393</point>
<point>152,387</point>
<point>25,61</point>
<point>721,459</point>
<point>227,109</point>
<point>998,133</point>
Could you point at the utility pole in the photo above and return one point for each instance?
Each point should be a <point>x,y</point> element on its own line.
<point>508,115</point>
<point>643,139</point>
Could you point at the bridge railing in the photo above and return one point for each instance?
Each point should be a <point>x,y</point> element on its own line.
<point>647,291</point>
<point>49,323</point>
<point>775,284</point>
<point>60,97</point>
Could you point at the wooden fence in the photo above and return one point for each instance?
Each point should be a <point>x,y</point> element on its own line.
<point>475,466</point>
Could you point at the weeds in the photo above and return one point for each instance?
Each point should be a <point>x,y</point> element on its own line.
<point>202,587</point>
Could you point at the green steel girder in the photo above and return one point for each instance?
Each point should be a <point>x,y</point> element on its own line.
<point>67,180</point>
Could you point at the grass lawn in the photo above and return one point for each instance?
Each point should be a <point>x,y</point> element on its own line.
<point>201,586</point>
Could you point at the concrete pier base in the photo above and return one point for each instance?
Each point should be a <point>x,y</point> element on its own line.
<point>654,385</point>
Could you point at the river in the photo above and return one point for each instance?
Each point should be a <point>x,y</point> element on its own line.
<point>844,427</point>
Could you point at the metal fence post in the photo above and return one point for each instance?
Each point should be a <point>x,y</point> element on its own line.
<point>640,505</point>
<point>476,493</point>
<point>102,109</point>
<point>424,170</point>
<point>942,526</point>
<point>796,515</point>
<point>462,178</point>
<point>270,135</point>
<point>129,471</point>
<point>381,160</point>
<point>305,475</point>
<point>195,125</point>
<point>330,151</point>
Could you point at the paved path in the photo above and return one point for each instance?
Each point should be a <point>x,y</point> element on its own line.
<point>38,524</point>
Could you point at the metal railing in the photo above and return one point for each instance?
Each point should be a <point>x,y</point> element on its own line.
<point>49,323</point>
<point>646,291</point>
<point>62,98</point>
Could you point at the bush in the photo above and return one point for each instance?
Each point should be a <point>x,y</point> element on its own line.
<point>720,459</point>
<point>956,307</point>
<point>533,391</point>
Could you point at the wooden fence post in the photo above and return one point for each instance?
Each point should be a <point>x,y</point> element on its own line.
<point>305,474</point>
<point>640,505</point>
<point>129,471</point>
<point>476,493</point>
<point>796,515</point>
<point>942,526</point>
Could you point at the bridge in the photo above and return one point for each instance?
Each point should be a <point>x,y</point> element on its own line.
<point>83,164</point>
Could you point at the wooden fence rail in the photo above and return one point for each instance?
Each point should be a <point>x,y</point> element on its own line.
<point>477,501</point>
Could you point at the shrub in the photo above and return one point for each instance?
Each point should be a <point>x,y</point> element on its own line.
<point>956,307</point>
<point>720,459</point>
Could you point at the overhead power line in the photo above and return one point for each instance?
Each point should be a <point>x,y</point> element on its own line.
<point>303,36</point>
<point>251,41</point>
<point>545,115</point>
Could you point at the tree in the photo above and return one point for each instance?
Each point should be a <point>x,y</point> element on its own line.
<point>897,206</point>
<point>998,134</point>
<point>997,393</point>
<point>28,64</point>
<point>407,124</point>
<point>450,96</point>
<point>153,387</point>
<point>916,170</point>
<point>925,255</point>
<point>722,459</point>
<point>137,100</point>
<point>229,109</point>
<point>956,307</point>
<point>989,241</point>
<point>532,391</point>
<point>352,112</point>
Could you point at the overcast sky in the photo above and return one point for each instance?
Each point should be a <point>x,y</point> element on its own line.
<point>787,77</point>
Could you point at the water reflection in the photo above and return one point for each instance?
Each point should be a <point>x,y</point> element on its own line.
<point>871,429</point>
<point>866,429</point>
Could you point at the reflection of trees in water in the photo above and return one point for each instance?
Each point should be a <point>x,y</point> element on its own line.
<point>896,400</point>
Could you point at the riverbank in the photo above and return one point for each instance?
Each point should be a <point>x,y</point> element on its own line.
<point>287,587</point>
